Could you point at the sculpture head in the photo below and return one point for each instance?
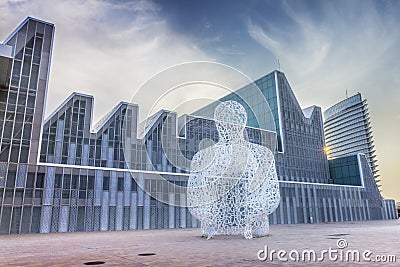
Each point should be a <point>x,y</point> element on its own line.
<point>230,118</point>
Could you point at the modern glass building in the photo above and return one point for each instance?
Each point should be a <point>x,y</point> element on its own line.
<point>348,130</point>
<point>123,175</point>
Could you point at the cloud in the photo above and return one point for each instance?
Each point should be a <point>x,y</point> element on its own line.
<point>334,51</point>
<point>106,49</point>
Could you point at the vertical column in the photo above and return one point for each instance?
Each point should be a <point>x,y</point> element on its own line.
<point>340,210</point>
<point>98,187</point>
<point>289,219</point>
<point>281,212</point>
<point>274,218</point>
<point>325,212</point>
<point>140,201</point>
<point>113,188</point>
<point>104,211</point>
<point>171,210</point>
<point>360,205</point>
<point>348,204</point>
<point>344,202</point>
<point>104,146</point>
<point>21,175</point>
<point>164,162</point>
<point>89,212</point>
<point>394,211</point>
<point>140,189</point>
<point>49,186</point>
<point>194,222</point>
<point>387,204</point>
<point>127,188</point>
<point>296,205</point>
<point>317,216</point>
<point>146,213</point>
<point>335,209</point>
<point>3,174</point>
<point>47,201</point>
<point>127,201</point>
<point>71,154</point>
<point>59,141</point>
<point>120,211</point>
<point>63,223</point>
<point>330,210</point>
<point>183,210</point>
<point>367,207</point>
<point>110,157</point>
<point>303,200</point>
<point>85,155</point>
<point>386,211</point>
<point>390,210</point>
<point>45,219</point>
<point>128,149</point>
<point>310,206</point>
<point>133,211</point>
<point>149,165</point>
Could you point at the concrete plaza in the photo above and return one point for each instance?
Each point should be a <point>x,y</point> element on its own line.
<point>185,247</point>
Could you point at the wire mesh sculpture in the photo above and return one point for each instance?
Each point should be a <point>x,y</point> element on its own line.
<point>233,185</point>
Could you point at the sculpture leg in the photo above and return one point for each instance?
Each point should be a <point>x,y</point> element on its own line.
<point>261,226</point>
<point>207,229</point>
<point>247,231</point>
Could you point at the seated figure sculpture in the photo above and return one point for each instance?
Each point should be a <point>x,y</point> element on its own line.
<point>233,185</point>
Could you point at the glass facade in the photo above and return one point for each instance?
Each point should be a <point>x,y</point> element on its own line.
<point>105,177</point>
<point>300,155</point>
<point>345,170</point>
<point>22,102</point>
<point>259,116</point>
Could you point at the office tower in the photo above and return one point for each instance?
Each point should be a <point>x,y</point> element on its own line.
<point>348,130</point>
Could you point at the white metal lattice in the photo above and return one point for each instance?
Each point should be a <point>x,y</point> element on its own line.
<point>233,185</point>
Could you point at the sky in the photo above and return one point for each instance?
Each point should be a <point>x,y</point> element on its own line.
<point>108,49</point>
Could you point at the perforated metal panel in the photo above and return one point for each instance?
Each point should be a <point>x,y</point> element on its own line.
<point>126,218</point>
<point>57,197</point>
<point>166,216</point>
<point>73,212</point>
<point>104,212</point>
<point>21,175</point>
<point>80,222</point>
<point>55,219</point>
<point>120,211</point>
<point>160,217</point>
<point>98,187</point>
<point>45,219</point>
<point>3,173</point>
<point>133,212</point>
<point>89,211</point>
<point>153,217</point>
<point>113,189</point>
<point>49,186</point>
<point>127,188</point>
<point>89,218</point>
<point>64,216</point>
<point>177,217</point>
<point>96,218</point>
<point>16,220</point>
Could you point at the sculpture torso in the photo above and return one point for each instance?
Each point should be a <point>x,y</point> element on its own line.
<point>233,185</point>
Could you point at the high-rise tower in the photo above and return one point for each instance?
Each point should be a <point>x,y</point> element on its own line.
<point>348,131</point>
